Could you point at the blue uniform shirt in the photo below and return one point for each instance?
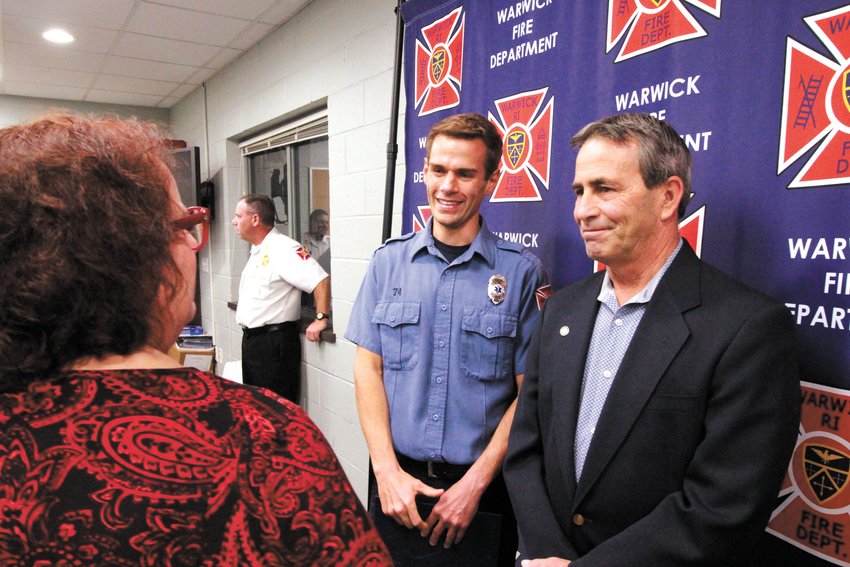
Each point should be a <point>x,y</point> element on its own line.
<point>450,352</point>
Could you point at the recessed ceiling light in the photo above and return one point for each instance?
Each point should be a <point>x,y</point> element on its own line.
<point>57,35</point>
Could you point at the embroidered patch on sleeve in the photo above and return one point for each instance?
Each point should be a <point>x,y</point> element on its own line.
<point>542,294</point>
<point>303,253</point>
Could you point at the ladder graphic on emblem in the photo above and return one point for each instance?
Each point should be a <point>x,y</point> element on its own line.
<point>806,111</point>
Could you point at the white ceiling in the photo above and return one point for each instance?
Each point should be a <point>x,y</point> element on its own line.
<point>134,52</point>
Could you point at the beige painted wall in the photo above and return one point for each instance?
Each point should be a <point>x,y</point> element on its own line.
<point>17,109</point>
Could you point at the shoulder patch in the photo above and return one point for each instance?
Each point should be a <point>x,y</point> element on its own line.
<point>541,294</point>
<point>303,253</point>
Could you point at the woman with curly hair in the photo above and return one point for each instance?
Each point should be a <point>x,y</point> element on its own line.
<point>110,453</point>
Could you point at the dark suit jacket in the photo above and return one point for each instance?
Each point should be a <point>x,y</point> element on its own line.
<point>694,439</point>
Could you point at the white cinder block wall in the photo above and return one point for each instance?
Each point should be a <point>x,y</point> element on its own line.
<point>334,52</point>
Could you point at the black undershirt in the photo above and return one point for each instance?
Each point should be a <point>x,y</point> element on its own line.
<point>451,253</point>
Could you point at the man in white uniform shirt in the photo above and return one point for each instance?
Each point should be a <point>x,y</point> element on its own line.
<point>269,308</point>
<point>317,239</point>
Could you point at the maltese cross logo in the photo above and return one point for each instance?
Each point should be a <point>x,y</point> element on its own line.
<point>816,104</point>
<point>420,221</point>
<point>439,63</point>
<point>303,253</point>
<point>525,123</point>
<point>652,24</point>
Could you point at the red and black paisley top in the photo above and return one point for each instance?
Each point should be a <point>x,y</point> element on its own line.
<point>171,467</point>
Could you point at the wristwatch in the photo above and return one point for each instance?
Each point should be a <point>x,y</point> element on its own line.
<point>320,316</point>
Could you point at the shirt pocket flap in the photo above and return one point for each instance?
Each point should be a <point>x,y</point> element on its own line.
<point>489,323</point>
<point>396,313</point>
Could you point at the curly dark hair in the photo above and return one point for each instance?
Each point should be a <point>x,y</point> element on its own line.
<point>85,236</point>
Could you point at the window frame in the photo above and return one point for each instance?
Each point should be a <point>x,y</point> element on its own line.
<point>289,135</point>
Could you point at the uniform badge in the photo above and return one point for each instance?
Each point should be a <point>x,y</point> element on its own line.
<point>497,288</point>
<point>265,260</point>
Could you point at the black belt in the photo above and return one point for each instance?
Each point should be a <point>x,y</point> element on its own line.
<point>432,469</point>
<point>266,329</point>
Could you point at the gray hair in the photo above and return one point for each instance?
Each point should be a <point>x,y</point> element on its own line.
<point>661,151</point>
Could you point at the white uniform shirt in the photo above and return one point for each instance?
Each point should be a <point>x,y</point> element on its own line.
<point>278,269</point>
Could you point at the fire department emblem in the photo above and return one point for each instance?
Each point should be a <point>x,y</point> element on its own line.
<point>814,496</point>
<point>542,293</point>
<point>652,24</point>
<point>303,253</point>
<point>515,147</point>
<point>420,221</point>
<point>439,64</point>
<point>826,471</point>
<point>525,122</point>
<point>497,288</point>
<point>816,104</point>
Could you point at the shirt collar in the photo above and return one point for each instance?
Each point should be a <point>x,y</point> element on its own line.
<point>265,243</point>
<point>484,244</point>
<point>644,295</point>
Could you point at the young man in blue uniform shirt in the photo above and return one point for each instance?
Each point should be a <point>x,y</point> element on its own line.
<point>442,323</point>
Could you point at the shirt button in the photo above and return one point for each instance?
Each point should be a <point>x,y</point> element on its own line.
<point>489,330</point>
<point>439,379</point>
<point>435,417</point>
<point>443,307</point>
<point>392,317</point>
<point>564,331</point>
<point>607,373</point>
<point>618,322</point>
<point>578,520</point>
<point>433,454</point>
<point>442,344</point>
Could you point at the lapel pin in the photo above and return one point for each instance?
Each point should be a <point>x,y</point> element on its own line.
<point>564,331</point>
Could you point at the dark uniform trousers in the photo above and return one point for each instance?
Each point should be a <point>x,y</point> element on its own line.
<point>271,358</point>
<point>490,540</point>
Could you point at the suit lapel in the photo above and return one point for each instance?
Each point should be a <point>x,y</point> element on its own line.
<point>565,364</point>
<point>656,342</point>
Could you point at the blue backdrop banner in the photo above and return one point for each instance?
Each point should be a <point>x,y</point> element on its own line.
<point>759,91</point>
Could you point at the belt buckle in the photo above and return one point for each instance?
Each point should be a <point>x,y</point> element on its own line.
<point>431,473</point>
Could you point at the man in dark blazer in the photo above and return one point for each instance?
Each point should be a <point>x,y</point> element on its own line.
<point>661,399</point>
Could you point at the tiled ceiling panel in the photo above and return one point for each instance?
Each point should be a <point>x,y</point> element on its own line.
<point>137,52</point>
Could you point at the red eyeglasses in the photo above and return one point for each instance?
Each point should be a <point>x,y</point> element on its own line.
<point>197,222</point>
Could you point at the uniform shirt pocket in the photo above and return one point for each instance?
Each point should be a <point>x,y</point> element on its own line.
<point>398,322</point>
<point>487,344</point>
<point>260,281</point>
